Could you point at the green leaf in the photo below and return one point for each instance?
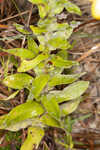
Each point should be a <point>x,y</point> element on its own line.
<point>72,8</point>
<point>54,26</point>
<point>21,116</point>
<point>45,23</point>
<point>21,28</point>
<point>56,7</point>
<point>60,62</point>
<point>63,30</point>
<point>20,52</point>
<point>43,68</point>
<point>42,40</point>
<point>46,119</point>
<point>56,10</point>
<point>56,41</point>
<point>28,65</point>
<point>75,90</point>
<point>35,135</point>
<point>38,1</point>
<point>56,70</point>
<point>18,80</point>
<point>43,10</point>
<point>68,32</point>
<point>71,92</point>
<point>14,61</point>
<point>40,69</point>
<point>63,54</point>
<point>32,46</point>
<point>69,107</point>
<point>37,30</point>
<point>63,79</point>
<point>38,84</point>
<point>51,106</point>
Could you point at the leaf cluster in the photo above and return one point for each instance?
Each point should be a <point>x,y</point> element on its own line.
<point>45,105</point>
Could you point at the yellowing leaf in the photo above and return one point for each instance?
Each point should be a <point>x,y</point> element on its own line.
<point>60,62</point>
<point>32,46</point>
<point>21,29</point>
<point>56,7</point>
<point>46,119</point>
<point>38,1</point>
<point>20,52</point>
<point>38,84</point>
<point>71,92</point>
<point>11,96</point>
<point>75,90</point>
<point>69,107</point>
<point>28,65</point>
<point>51,106</point>
<point>72,8</point>
<point>37,30</point>
<point>58,42</point>
<point>35,135</point>
<point>43,10</point>
<point>18,80</point>
<point>63,79</point>
<point>21,116</point>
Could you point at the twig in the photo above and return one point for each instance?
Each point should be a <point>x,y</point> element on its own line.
<point>89,52</point>
<point>29,17</point>
<point>83,24</point>
<point>18,10</point>
<point>17,15</point>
